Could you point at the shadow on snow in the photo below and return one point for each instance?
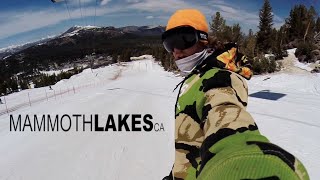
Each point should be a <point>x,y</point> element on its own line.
<point>266,94</point>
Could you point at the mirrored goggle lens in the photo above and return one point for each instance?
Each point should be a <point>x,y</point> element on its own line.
<point>181,38</point>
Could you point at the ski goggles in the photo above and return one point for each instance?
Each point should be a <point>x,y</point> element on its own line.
<point>182,37</point>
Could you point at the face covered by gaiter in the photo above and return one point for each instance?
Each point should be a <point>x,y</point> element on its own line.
<point>187,64</point>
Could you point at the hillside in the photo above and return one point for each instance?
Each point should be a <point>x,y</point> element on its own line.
<point>75,44</point>
<point>284,105</point>
<point>79,47</point>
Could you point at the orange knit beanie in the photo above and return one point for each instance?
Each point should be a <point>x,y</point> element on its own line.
<point>188,17</point>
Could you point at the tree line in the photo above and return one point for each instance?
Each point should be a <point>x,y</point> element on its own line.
<point>19,70</point>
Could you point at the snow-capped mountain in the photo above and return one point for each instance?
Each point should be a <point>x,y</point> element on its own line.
<point>10,50</point>
<point>82,35</point>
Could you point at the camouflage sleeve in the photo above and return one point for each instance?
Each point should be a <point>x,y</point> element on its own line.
<point>188,139</point>
<point>233,148</point>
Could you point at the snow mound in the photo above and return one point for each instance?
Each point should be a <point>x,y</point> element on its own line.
<point>305,66</point>
<point>141,57</point>
<point>291,51</point>
<point>296,63</point>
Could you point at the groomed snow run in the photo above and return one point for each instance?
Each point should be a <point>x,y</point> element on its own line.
<point>286,108</point>
<point>303,66</point>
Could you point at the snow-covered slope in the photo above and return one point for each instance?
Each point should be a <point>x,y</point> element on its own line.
<point>75,30</point>
<point>295,62</point>
<point>8,51</point>
<point>285,106</point>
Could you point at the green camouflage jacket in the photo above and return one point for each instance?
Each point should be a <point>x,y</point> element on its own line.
<point>215,137</point>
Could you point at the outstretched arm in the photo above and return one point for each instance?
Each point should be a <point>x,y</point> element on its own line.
<point>233,148</point>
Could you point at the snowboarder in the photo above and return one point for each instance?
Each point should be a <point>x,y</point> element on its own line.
<point>216,138</point>
<point>50,88</point>
<point>1,101</point>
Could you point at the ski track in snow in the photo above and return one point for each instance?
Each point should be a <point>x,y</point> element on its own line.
<point>143,87</point>
<point>287,119</point>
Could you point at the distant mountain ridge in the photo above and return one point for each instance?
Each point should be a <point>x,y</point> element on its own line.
<point>74,35</point>
<point>8,51</point>
<point>88,46</point>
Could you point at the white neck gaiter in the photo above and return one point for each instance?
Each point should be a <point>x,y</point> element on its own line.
<point>187,64</point>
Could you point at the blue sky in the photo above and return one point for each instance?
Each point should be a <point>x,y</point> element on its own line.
<point>24,21</point>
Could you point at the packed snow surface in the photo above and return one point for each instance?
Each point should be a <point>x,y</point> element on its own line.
<point>77,29</point>
<point>286,108</point>
<point>303,66</point>
<point>56,72</point>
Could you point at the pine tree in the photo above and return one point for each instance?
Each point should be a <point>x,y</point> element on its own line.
<point>301,23</point>
<point>277,44</point>
<point>237,35</point>
<point>317,25</point>
<point>3,88</point>
<point>300,29</point>
<point>12,84</point>
<point>264,38</point>
<point>310,23</point>
<point>115,58</point>
<point>250,33</point>
<point>224,33</point>
<point>23,84</point>
<point>250,44</point>
<point>217,25</point>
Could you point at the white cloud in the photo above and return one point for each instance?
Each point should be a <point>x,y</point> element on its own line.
<point>164,6</point>
<point>24,21</point>
<point>221,2</point>
<point>277,18</point>
<point>243,16</point>
<point>104,2</point>
<point>227,9</point>
<point>277,25</point>
<point>75,3</point>
<point>133,1</point>
<point>229,12</point>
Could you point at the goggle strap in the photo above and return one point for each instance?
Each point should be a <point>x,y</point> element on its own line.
<point>202,35</point>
